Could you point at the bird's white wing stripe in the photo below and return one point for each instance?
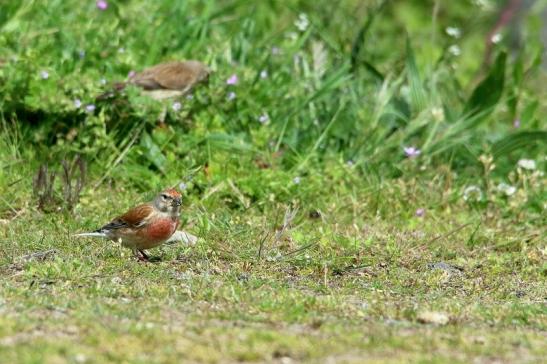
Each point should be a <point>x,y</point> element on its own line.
<point>96,234</point>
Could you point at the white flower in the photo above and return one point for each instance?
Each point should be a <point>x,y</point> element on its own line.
<point>263,74</point>
<point>454,50</point>
<point>176,106</point>
<point>481,3</point>
<point>90,108</point>
<point>183,186</point>
<point>412,152</point>
<point>472,193</point>
<point>296,180</point>
<point>516,123</point>
<point>231,96</point>
<point>496,38</point>
<point>77,103</point>
<point>438,113</point>
<point>264,118</point>
<point>506,189</point>
<point>302,22</point>
<point>453,32</point>
<point>405,91</point>
<point>103,81</point>
<point>292,36</point>
<point>189,97</point>
<point>80,358</point>
<point>529,164</point>
<point>44,75</point>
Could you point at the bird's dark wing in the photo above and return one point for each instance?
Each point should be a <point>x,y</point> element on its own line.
<point>134,218</point>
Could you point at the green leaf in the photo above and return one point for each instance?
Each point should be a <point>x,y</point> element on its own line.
<point>11,13</point>
<point>374,71</point>
<point>518,141</point>
<point>518,71</point>
<point>229,142</point>
<point>417,91</point>
<point>152,152</point>
<point>528,112</point>
<point>360,40</point>
<point>487,94</point>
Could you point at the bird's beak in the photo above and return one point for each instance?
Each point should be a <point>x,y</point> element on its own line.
<point>177,202</point>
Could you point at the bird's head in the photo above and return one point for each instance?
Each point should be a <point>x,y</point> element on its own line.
<point>168,201</point>
<point>200,71</point>
<point>204,75</point>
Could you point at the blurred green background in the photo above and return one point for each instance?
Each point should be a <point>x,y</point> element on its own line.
<point>350,80</point>
<point>371,188</point>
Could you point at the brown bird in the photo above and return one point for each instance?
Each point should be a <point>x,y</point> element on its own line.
<point>165,80</point>
<point>145,226</point>
<point>170,79</point>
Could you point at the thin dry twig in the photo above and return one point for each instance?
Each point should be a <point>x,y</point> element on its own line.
<point>72,179</point>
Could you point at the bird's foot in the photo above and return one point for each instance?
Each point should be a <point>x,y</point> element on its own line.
<point>142,256</point>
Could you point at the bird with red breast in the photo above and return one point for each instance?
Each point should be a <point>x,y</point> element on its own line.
<point>145,226</point>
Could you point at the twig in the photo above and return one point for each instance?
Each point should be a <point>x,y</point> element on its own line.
<point>299,249</point>
<point>447,234</point>
<point>349,268</point>
<point>14,182</point>
<point>287,220</point>
<point>261,246</point>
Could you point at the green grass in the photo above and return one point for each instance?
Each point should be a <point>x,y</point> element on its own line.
<point>355,293</point>
<point>310,246</point>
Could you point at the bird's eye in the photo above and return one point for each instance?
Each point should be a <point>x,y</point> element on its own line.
<point>165,197</point>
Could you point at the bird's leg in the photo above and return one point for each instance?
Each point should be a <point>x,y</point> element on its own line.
<point>140,255</point>
<point>163,114</point>
<point>144,257</point>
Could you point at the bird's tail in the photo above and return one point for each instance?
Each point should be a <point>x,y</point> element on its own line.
<point>92,234</point>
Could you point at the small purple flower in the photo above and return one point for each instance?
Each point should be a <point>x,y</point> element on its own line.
<point>232,80</point>
<point>183,186</point>
<point>350,163</point>
<point>516,123</point>
<point>189,97</point>
<point>276,50</point>
<point>412,152</point>
<point>102,4</point>
<point>263,74</point>
<point>44,75</point>
<point>131,74</point>
<point>296,180</point>
<point>90,108</point>
<point>231,96</point>
<point>77,103</point>
<point>81,53</point>
<point>177,106</point>
<point>420,212</point>
<point>264,118</point>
